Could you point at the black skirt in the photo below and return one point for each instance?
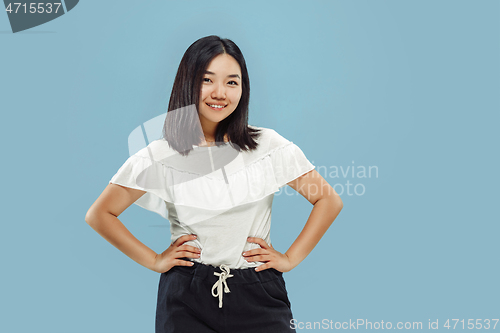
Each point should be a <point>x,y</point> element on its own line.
<point>194,299</point>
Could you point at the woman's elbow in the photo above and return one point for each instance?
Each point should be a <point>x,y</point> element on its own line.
<point>340,203</point>
<point>336,202</point>
<point>89,217</point>
<point>93,215</point>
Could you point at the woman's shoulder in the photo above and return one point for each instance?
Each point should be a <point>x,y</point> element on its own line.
<point>269,133</point>
<point>270,137</point>
<point>156,150</point>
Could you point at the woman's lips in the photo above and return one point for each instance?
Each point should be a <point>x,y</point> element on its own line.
<point>216,109</point>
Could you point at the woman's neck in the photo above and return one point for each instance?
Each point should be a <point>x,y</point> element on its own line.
<point>211,141</point>
<point>209,128</point>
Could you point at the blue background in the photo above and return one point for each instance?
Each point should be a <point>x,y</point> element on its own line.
<point>411,87</point>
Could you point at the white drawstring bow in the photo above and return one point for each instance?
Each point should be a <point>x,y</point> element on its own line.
<point>222,280</point>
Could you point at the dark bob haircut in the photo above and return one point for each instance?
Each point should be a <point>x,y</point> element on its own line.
<point>182,128</point>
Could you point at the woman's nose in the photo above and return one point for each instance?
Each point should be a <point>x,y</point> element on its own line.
<point>219,92</point>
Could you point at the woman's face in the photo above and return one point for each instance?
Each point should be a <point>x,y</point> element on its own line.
<point>221,86</point>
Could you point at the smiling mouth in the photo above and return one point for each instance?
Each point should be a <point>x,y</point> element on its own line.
<point>216,107</point>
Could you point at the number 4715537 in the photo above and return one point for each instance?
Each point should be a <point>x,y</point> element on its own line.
<point>33,7</point>
<point>472,323</point>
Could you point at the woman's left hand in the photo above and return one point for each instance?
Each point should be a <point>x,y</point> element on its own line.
<point>268,255</point>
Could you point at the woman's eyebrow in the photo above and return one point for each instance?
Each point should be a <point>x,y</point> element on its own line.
<point>231,75</point>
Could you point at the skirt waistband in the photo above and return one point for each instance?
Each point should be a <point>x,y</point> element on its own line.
<point>222,277</point>
<point>241,275</point>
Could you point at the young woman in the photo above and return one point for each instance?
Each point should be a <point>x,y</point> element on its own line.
<point>213,176</point>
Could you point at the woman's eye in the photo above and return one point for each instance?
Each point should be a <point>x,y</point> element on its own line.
<point>233,83</point>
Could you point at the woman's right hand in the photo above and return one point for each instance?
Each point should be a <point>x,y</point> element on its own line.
<point>170,257</point>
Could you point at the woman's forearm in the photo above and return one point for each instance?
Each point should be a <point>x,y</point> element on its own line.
<point>113,230</point>
<point>324,212</point>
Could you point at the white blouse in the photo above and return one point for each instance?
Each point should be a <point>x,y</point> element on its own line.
<point>217,193</point>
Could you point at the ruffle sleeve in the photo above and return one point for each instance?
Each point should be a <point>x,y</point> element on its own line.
<point>143,173</point>
<point>288,160</point>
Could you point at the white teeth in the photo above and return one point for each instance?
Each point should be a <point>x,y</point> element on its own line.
<point>217,106</point>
